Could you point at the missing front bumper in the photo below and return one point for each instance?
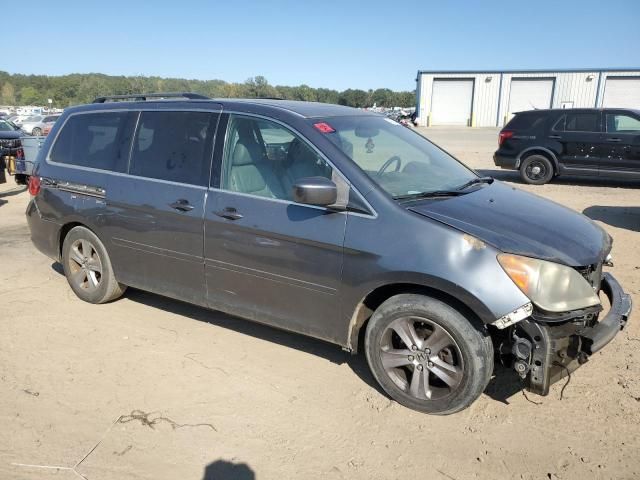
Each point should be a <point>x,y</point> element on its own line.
<point>549,352</point>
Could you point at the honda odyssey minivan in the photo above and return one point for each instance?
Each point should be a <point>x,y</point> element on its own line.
<point>331,222</point>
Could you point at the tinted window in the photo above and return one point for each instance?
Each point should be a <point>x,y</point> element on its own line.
<point>174,146</point>
<point>264,158</point>
<point>582,122</point>
<point>96,140</point>
<point>622,123</point>
<point>525,121</point>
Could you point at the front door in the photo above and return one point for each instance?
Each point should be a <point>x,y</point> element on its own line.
<point>580,137</point>
<point>621,145</point>
<point>155,213</point>
<point>268,258</point>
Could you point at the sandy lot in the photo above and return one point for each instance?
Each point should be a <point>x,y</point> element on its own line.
<point>151,388</point>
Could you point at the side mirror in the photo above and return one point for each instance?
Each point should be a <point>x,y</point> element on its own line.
<point>315,191</point>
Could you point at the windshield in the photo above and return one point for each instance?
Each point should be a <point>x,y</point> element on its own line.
<point>402,162</point>
<point>6,126</point>
<point>33,118</point>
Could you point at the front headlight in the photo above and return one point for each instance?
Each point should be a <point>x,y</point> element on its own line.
<point>551,286</point>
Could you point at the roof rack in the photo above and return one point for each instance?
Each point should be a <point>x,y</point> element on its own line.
<point>145,96</point>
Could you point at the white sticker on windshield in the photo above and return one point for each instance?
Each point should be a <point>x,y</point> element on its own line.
<point>392,122</point>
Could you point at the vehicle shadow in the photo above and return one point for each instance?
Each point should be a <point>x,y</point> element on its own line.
<point>328,351</point>
<point>503,385</point>
<point>514,177</point>
<point>616,216</point>
<point>223,470</point>
<point>13,191</point>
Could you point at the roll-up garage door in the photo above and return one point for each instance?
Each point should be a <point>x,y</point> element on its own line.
<point>451,102</point>
<point>621,93</point>
<point>530,94</point>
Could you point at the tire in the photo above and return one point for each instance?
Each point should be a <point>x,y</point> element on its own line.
<point>21,179</point>
<point>536,170</point>
<point>88,268</point>
<point>36,132</point>
<point>457,370</point>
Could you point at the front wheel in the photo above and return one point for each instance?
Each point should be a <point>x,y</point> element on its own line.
<point>536,170</point>
<point>36,132</point>
<point>88,268</point>
<point>426,355</point>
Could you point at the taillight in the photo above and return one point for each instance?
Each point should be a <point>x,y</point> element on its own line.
<point>504,134</point>
<point>20,154</point>
<point>34,185</point>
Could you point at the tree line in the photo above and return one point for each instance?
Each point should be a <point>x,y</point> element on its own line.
<point>66,90</point>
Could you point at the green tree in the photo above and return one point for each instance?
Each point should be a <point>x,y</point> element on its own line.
<point>354,98</point>
<point>383,97</point>
<point>8,94</point>
<point>29,96</point>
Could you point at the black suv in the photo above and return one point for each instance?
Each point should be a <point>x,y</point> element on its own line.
<point>328,221</point>
<point>544,143</point>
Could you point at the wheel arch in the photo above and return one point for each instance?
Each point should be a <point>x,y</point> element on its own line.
<point>64,231</point>
<point>545,152</point>
<point>471,307</point>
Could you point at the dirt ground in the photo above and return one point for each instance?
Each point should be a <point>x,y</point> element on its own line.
<point>151,388</point>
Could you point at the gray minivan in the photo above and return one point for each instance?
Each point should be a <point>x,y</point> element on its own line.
<point>331,222</point>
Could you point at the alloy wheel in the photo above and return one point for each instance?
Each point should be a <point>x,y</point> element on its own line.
<point>421,358</point>
<point>85,265</point>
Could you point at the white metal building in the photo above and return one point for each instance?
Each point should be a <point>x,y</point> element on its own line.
<point>489,99</point>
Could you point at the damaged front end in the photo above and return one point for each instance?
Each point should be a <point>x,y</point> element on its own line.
<point>545,347</point>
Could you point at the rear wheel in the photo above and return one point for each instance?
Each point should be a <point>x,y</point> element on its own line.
<point>88,268</point>
<point>536,170</point>
<point>426,355</point>
<point>36,132</point>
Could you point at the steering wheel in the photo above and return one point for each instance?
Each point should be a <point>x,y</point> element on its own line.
<point>395,159</point>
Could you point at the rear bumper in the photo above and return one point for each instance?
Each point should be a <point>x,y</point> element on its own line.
<point>508,162</point>
<point>560,348</point>
<point>44,233</point>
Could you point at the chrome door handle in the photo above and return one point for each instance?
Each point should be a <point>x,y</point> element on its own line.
<point>229,213</point>
<point>181,205</point>
<point>557,137</point>
<point>614,139</point>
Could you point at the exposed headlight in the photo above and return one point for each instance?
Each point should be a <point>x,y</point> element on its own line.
<point>551,286</point>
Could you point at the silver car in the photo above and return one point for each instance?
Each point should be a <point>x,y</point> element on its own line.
<point>34,125</point>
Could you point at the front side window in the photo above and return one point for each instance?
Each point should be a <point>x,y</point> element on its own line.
<point>96,140</point>
<point>401,161</point>
<point>618,123</point>
<point>582,122</point>
<point>264,158</point>
<point>174,146</point>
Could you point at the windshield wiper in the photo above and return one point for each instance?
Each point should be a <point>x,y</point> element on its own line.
<point>434,193</point>
<point>475,181</point>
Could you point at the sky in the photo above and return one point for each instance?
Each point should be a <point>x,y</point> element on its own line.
<point>322,43</point>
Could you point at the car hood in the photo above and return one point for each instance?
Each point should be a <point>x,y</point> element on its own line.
<point>10,135</point>
<point>517,222</point>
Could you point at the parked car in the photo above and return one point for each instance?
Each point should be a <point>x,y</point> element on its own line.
<point>542,144</point>
<point>18,119</point>
<point>9,147</point>
<point>36,124</point>
<point>331,222</point>
<point>47,125</point>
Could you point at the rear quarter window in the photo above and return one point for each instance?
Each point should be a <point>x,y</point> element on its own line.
<point>525,121</point>
<point>96,140</point>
